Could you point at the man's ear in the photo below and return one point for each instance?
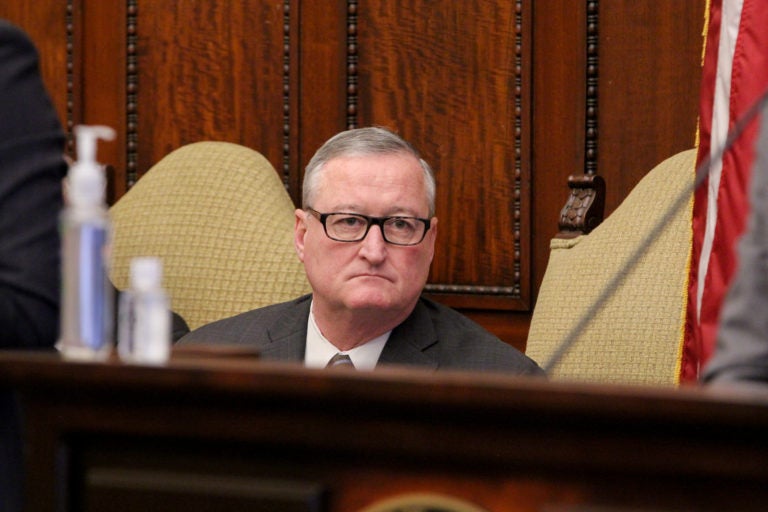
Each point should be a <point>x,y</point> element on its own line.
<point>299,232</point>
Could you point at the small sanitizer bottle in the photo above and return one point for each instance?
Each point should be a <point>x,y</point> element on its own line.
<point>144,327</point>
<point>87,308</point>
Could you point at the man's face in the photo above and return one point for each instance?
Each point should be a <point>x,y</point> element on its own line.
<point>370,274</point>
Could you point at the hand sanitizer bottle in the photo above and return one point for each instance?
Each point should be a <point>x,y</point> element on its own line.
<point>87,299</point>
<point>144,327</point>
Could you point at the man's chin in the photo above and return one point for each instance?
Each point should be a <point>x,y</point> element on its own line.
<point>369,304</point>
<point>373,300</point>
<point>380,303</point>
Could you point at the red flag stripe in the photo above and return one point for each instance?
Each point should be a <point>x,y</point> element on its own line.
<point>719,125</point>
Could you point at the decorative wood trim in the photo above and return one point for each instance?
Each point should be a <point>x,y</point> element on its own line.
<point>590,164</point>
<point>131,100</point>
<point>70,121</point>
<point>585,207</point>
<point>474,289</point>
<point>515,290</point>
<point>583,211</point>
<point>352,64</point>
<point>286,93</point>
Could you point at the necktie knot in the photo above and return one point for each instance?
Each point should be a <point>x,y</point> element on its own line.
<point>340,360</point>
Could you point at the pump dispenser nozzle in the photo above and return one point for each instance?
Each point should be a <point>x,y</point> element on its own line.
<point>87,136</point>
<point>86,178</point>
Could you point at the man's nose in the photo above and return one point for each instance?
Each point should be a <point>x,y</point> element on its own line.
<point>374,247</point>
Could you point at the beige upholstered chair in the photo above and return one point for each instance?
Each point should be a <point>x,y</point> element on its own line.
<point>221,220</point>
<point>636,336</point>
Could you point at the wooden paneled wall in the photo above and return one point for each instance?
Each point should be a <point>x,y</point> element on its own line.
<point>506,99</point>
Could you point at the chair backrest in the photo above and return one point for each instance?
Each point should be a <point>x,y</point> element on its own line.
<point>636,336</point>
<point>221,220</point>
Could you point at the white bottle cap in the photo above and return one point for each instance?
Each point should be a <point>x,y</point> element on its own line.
<point>146,273</point>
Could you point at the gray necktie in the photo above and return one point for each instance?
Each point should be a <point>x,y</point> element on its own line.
<point>340,360</point>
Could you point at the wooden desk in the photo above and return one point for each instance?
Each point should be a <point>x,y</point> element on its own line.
<point>245,435</point>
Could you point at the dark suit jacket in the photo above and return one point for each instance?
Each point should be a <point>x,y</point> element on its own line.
<point>31,168</point>
<point>433,337</point>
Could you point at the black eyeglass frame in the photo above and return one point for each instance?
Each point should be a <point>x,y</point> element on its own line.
<point>370,221</point>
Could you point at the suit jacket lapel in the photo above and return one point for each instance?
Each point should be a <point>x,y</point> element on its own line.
<point>288,333</point>
<point>409,340</point>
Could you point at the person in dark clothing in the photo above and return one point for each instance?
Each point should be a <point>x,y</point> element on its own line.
<point>32,166</point>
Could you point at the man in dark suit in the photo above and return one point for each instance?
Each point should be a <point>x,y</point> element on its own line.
<point>31,169</point>
<point>366,235</point>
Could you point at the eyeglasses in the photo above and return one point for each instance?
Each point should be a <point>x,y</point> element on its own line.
<point>353,227</point>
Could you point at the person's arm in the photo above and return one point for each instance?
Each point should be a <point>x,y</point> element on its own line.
<point>31,169</point>
<point>741,354</point>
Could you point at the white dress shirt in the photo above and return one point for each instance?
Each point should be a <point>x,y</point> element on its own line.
<point>319,350</point>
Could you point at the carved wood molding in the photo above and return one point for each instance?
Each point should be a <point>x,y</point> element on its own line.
<point>590,162</point>
<point>286,92</point>
<point>513,291</point>
<point>131,100</point>
<point>518,145</point>
<point>585,207</point>
<point>352,64</point>
<point>584,210</point>
<point>70,121</point>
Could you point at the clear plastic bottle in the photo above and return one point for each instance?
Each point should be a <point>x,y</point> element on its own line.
<point>87,308</point>
<point>144,326</point>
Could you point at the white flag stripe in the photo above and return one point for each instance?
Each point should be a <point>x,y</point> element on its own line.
<point>729,31</point>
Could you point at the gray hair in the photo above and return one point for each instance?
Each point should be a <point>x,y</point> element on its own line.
<point>364,141</point>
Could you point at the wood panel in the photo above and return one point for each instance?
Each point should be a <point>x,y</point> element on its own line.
<point>327,69</point>
<point>201,75</point>
<point>559,106</point>
<point>505,99</point>
<point>649,69</point>
<point>453,78</point>
<point>98,60</point>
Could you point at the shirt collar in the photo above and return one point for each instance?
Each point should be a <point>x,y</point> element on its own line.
<point>319,350</point>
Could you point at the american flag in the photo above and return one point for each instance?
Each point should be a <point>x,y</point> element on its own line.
<point>734,77</point>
